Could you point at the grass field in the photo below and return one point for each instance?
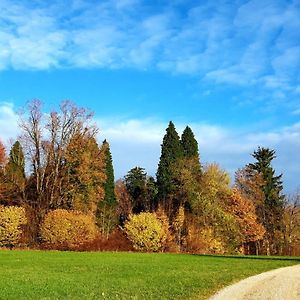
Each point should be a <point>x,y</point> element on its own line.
<point>74,275</point>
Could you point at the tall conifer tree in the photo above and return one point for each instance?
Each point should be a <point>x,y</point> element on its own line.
<point>106,213</point>
<point>15,174</point>
<point>171,151</point>
<point>109,184</point>
<point>271,211</point>
<point>190,148</point>
<point>16,162</point>
<point>189,143</point>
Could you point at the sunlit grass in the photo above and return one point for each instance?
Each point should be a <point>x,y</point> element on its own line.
<point>86,275</point>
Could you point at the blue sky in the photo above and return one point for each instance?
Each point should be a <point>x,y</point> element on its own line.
<point>229,69</point>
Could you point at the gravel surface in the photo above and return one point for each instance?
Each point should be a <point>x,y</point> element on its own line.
<point>279,284</point>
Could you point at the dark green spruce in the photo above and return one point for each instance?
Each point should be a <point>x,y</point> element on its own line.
<point>171,151</point>
<point>15,175</point>
<point>109,184</point>
<point>136,185</point>
<point>190,148</point>
<point>271,212</point>
<point>16,163</point>
<point>106,213</point>
<point>189,143</point>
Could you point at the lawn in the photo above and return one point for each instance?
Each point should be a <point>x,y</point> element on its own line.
<point>90,275</point>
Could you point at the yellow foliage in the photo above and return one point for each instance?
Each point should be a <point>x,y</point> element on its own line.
<point>179,219</point>
<point>68,228</point>
<point>204,241</point>
<point>178,227</point>
<point>12,218</point>
<point>146,232</point>
<point>213,243</point>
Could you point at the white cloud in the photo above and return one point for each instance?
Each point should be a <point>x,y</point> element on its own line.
<point>137,143</point>
<point>226,42</point>
<point>8,122</point>
<point>252,45</point>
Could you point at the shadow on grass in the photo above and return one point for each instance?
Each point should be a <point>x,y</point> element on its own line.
<point>285,258</point>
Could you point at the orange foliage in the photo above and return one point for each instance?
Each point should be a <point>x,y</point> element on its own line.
<point>116,241</point>
<point>244,212</point>
<point>124,205</point>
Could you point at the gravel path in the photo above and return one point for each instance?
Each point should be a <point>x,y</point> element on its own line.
<point>280,284</point>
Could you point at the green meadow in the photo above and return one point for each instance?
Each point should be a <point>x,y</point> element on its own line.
<point>92,275</point>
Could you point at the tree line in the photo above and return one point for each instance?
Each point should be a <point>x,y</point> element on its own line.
<point>59,175</point>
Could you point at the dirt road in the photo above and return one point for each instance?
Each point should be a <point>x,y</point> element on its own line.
<point>280,284</point>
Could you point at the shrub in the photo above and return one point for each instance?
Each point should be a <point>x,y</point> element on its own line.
<point>146,232</point>
<point>116,241</point>
<point>67,228</point>
<point>203,241</point>
<point>12,218</point>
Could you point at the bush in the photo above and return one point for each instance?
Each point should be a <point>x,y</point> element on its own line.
<point>67,228</point>
<point>146,232</point>
<point>12,218</point>
<point>116,241</point>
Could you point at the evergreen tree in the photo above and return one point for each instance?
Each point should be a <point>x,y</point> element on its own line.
<point>109,184</point>
<point>15,174</point>
<point>151,193</point>
<point>171,151</point>
<point>136,184</point>
<point>189,143</point>
<point>190,148</point>
<point>106,213</point>
<point>16,162</point>
<point>271,211</point>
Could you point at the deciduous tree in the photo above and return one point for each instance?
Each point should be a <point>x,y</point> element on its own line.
<point>124,204</point>
<point>48,141</point>
<point>244,213</point>
<point>2,164</point>
<point>291,221</point>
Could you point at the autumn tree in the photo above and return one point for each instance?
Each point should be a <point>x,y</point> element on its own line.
<point>291,221</point>
<point>244,213</point>
<point>86,176</point>
<point>106,212</point>
<point>209,207</point>
<point>2,164</point>
<point>2,155</point>
<point>124,204</point>
<point>171,151</point>
<point>48,139</point>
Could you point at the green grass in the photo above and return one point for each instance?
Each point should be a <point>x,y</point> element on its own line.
<point>71,275</point>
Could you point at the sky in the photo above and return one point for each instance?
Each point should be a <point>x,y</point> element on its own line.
<point>228,69</point>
